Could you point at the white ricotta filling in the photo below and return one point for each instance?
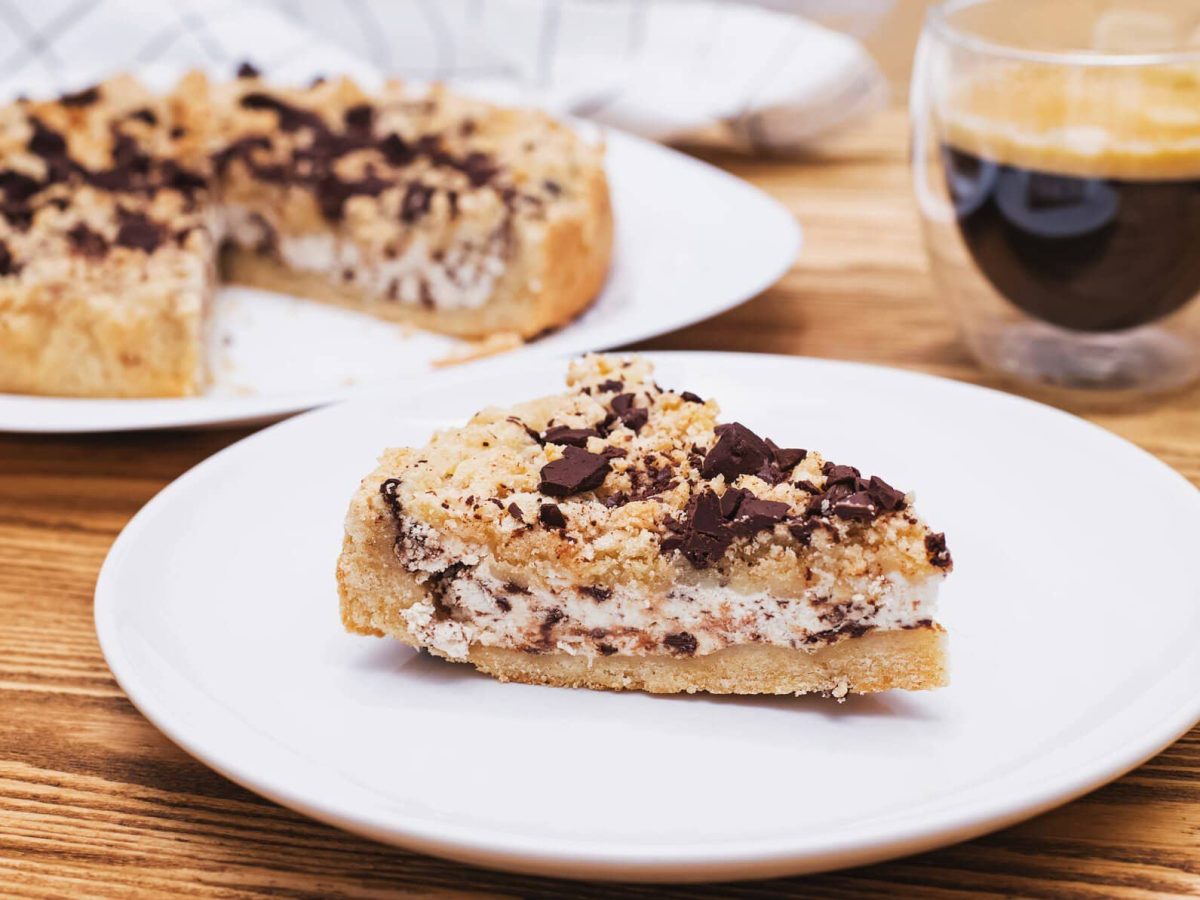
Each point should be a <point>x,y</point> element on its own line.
<point>626,623</point>
<point>463,277</point>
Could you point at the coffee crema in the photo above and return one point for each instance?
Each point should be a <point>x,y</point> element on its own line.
<point>1077,194</point>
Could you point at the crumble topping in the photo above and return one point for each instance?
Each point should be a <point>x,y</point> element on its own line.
<point>93,174</point>
<point>412,198</point>
<point>620,487</point>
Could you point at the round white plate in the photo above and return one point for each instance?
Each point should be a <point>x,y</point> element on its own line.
<point>1074,618</point>
<point>691,242</point>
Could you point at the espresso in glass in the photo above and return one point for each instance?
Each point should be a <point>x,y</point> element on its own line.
<point>1094,227</point>
<point>1056,164</point>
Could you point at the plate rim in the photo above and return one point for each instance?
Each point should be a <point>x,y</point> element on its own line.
<point>26,413</point>
<point>745,859</point>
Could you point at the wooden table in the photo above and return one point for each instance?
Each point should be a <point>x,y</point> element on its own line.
<point>95,802</point>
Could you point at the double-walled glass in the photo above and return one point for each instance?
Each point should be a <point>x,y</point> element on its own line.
<point>1056,159</point>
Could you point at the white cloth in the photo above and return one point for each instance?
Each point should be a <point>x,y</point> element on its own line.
<point>661,68</point>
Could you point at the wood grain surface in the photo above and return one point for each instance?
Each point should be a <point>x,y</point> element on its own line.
<point>95,802</point>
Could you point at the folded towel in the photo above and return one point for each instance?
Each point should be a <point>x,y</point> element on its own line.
<point>665,69</point>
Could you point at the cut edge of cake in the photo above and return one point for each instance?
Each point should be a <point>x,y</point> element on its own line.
<point>552,288</point>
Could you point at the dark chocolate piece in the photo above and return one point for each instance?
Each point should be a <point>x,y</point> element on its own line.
<point>128,155</point>
<point>180,179</point>
<point>690,397</point>
<point>622,403</point>
<point>19,217</point>
<point>86,242</point>
<point>731,500</point>
<point>291,118</point>
<point>247,70</point>
<point>45,142</point>
<point>802,530</point>
<point>17,186</point>
<point>707,516</point>
<point>396,150</point>
<point>884,495</point>
<point>478,167</point>
<point>388,490</point>
<point>755,514</point>
<point>858,506</point>
<point>835,474</point>
<point>551,516</point>
<point>138,232</point>
<point>786,458</point>
<point>704,535</point>
<point>576,437</point>
<point>822,503</point>
<point>360,117</point>
<point>634,419</point>
<point>85,97</point>
<point>738,451</point>
<point>683,643</point>
<point>576,471</point>
<point>516,513</point>
<point>935,545</point>
<point>631,417</point>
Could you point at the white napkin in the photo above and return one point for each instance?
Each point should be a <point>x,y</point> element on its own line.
<point>665,69</point>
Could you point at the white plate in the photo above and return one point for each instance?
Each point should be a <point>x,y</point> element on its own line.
<point>1074,616</point>
<point>691,242</point>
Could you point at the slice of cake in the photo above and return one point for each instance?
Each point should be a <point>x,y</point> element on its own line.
<point>456,215</point>
<point>616,536</point>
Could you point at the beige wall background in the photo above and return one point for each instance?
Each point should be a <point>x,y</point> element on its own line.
<point>895,40</point>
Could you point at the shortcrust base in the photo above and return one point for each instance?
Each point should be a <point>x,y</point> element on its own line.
<point>912,660</point>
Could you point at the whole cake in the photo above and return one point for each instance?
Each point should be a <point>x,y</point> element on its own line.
<point>616,536</point>
<point>120,210</point>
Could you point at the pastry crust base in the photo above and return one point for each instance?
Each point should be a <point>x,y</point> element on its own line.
<point>913,660</point>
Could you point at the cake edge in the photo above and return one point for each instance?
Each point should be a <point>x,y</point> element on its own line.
<point>567,267</point>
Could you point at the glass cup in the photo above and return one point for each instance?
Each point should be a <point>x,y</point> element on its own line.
<point>1056,160</point>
